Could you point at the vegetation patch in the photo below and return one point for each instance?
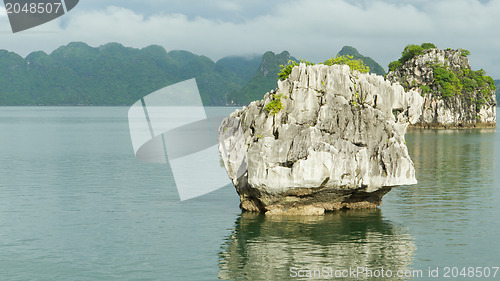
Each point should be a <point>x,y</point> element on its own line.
<point>475,86</point>
<point>349,61</point>
<point>287,69</point>
<point>410,52</point>
<point>373,65</point>
<point>354,64</point>
<point>465,81</point>
<point>448,82</point>
<point>425,89</point>
<point>275,105</point>
<point>464,53</point>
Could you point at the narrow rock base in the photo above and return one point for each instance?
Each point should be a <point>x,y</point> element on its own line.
<point>314,204</point>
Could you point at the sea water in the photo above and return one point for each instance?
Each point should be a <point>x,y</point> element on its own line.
<point>75,204</point>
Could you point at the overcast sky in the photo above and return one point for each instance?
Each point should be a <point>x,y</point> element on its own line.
<point>309,29</point>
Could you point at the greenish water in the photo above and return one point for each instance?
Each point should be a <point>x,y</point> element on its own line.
<point>76,205</point>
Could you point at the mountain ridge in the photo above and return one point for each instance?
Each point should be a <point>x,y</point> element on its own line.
<point>264,79</point>
<point>113,74</point>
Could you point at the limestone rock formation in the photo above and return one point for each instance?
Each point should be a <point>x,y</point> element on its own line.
<point>454,95</point>
<point>326,139</point>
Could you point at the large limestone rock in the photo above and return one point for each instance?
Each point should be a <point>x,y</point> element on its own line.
<point>473,107</point>
<point>338,142</point>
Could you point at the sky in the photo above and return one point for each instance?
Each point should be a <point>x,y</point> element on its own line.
<point>310,29</point>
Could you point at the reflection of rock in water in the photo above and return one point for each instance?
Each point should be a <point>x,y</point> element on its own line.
<point>466,153</point>
<point>455,171</point>
<point>457,161</point>
<point>265,248</point>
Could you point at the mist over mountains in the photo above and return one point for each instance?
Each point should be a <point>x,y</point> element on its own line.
<point>112,74</point>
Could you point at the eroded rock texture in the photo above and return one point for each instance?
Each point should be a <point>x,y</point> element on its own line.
<point>338,142</point>
<point>473,105</point>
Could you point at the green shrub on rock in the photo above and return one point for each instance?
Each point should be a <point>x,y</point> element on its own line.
<point>449,82</point>
<point>349,61</point>
<point>425,89</point>
<point>287,69</point>
<point>354,64</point>
<point>393,65</point>
<point>464,53</point>
<point>409,52</point>
<point>275,105</point>
<point>427,46</point>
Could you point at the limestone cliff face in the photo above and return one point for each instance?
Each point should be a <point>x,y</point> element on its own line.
<point>326,139</point>
<point>454,95</point>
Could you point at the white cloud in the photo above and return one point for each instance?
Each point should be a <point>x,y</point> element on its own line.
<point>228,6</point>
<point>312,29</point>
<point>3,12</point>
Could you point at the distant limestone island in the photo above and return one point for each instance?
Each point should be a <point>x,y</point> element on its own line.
<point>112,74</point>
<point>455,96</point>
<point>332,136</point>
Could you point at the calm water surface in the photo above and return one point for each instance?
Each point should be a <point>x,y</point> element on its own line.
<point>76,205</point>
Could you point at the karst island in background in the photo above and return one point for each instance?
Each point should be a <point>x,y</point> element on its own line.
<point>455,96</point>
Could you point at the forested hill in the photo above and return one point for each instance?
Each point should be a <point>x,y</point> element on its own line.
<point>373,65</point>
<point>112,74</point>
<point>264,80</point>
